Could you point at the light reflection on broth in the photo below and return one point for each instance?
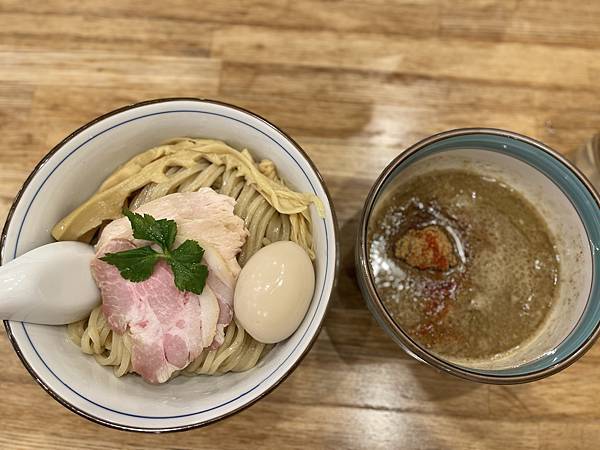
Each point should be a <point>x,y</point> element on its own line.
<point>463,263</point>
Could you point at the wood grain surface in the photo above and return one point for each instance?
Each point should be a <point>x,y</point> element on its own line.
<point>355,82</point>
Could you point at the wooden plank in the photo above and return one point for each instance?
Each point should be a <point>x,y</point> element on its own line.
<point>105,69</point>
<point>539,21</point>
<point>420,17</point>
<point>527,64</point>
<point>530,21</point>
<point>136,35</point>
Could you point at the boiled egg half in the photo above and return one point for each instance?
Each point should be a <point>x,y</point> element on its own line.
<point>273,291</point>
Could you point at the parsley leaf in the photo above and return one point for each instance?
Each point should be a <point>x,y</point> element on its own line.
<point>188,252</point>
<point>189,274</point>
<point>146,227</point>
<point>138,264</point>
<point>189,277</point>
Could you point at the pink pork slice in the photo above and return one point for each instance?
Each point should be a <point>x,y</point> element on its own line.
<point>207,217</point>
<point>168,328</point>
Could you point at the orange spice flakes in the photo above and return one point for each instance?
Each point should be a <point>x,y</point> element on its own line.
<point>426,248</point>
<point>438,297</point>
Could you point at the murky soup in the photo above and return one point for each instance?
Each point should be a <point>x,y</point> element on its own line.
<point>463,263</point>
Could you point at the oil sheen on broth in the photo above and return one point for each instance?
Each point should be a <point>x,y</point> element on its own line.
<point>463,263</point>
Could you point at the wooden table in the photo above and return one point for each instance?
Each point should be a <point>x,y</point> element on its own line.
<point>355,82</point>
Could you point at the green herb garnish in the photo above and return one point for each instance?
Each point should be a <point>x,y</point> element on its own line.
<point>138,264</point>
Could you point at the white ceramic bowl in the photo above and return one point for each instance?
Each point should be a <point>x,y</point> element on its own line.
<point>67,176</point>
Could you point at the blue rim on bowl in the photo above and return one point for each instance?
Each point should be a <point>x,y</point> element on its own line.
<point>567,178</point>
<point>281,375</point>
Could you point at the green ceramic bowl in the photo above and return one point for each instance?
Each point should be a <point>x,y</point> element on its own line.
<point>570,207</point>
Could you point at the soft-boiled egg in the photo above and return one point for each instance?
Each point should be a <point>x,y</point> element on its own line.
<point>273,291</point>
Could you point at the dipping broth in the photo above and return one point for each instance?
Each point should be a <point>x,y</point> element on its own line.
<point>463,263</point>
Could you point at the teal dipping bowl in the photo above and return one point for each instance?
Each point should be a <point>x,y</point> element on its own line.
<point>570,207</point>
